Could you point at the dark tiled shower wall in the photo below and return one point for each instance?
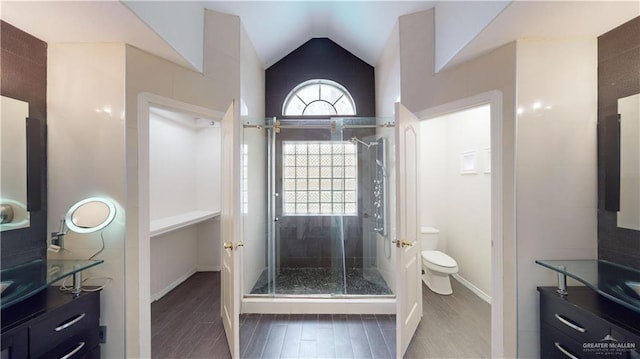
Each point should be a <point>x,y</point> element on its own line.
<point>618,76</point>
<point>319,246</point>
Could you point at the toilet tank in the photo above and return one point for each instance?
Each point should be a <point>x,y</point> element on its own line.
<point>429,238</point>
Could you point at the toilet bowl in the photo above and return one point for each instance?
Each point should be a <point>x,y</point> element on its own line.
<point>437,266</point>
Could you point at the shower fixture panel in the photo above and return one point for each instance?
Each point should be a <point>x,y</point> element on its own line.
<point>379,187</point>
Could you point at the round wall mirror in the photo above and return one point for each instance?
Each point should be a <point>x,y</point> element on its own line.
<point>90,215</point>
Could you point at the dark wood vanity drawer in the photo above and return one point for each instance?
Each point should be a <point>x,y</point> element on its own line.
<point>62,329</point>
<point>554,344</point>
<point>15,343</point>
<point>79,347</point>
<point>581,325</point>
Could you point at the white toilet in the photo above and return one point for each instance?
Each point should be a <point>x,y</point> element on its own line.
<point>437,266</point>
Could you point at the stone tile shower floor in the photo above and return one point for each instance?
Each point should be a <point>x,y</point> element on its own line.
<point>310,281</point>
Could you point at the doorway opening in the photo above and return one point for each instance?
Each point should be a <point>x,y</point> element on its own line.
<point>461,196</point>
<point>183,137</point>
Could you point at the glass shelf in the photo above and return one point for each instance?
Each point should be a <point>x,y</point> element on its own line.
<point>23,281</point>
<point>613,281</point>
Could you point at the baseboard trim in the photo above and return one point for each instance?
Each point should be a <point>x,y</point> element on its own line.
<point>171,286</point>
<point>208,268</point>
<point>318,306</point>
<point>484,296</point>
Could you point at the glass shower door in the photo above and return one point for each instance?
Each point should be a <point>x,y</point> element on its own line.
<point>310,195</point>
<point>315,199</point>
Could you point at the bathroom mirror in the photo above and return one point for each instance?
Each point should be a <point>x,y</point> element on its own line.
<point>90,215</point>
<point>13,164</point>
<point>629,213</point>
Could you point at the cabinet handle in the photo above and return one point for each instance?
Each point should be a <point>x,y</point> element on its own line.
<point>70,323</point>
<point>564,351</point>
<point>71,353</point>
<point>569,324</point>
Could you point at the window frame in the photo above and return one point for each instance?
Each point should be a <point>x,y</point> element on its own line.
<point>294,94</point>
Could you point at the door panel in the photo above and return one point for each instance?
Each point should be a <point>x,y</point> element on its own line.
<point>230,223</point>
<point>408,262</point>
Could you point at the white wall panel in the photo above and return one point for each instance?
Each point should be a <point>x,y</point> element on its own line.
<point>86,158</point>
<point>556,169</point>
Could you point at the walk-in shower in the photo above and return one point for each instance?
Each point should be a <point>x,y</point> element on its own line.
<point>315,199</point>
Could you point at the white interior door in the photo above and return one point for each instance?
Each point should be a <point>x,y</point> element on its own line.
<point>408,263</point>
<point>230,227</point>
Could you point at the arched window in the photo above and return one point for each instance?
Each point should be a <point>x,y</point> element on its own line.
<point>319,98</point>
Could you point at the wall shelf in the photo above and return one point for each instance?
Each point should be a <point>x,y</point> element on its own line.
<point>168,224</point>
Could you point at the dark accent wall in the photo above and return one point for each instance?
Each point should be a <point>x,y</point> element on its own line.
<point>618,76</point>
<point>319,241</point>
<point>320,58</point>
<point>23,70</point>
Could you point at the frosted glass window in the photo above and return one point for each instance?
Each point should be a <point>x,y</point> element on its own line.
<point>319,178</point>
<point>319,98</point>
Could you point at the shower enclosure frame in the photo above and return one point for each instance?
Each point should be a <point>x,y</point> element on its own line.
<point>301,303</point>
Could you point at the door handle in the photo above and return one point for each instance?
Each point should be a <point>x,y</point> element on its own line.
<point>228,245</point>
<point>403,243</point>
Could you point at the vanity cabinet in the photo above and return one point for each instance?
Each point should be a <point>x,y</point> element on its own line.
<point>584,324</point>
<point>52,324</point>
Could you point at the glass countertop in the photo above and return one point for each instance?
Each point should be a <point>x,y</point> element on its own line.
<point>23,281</point>
<point>619,283</point>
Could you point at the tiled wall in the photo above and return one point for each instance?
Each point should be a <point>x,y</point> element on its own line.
<point>24,77</point>
<point>618,76</point>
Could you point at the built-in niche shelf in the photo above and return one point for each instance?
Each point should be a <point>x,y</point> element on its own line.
<point>168,224</point>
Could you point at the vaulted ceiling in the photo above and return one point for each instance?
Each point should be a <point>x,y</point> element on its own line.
<point>173,29</point>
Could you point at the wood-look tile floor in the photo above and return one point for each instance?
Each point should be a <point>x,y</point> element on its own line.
<point>186,324</point>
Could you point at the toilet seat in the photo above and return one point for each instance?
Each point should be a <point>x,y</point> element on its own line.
<point>438,258</point>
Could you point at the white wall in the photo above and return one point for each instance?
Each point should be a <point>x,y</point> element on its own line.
<point>459,205</point>
<point>387,82</point>
<point>86,158</point>
<point>184,167</point>
<point>459,22</point>
<point>555,174</point>
<point>174,258</point>
<point>184,170</point>
<point>172,168</point>
<point>214,89</point>
<point>255,140</point>
<point>180,23</point>
<point>423,89</point>
<point>556,168</point>
<point>387,76</point>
